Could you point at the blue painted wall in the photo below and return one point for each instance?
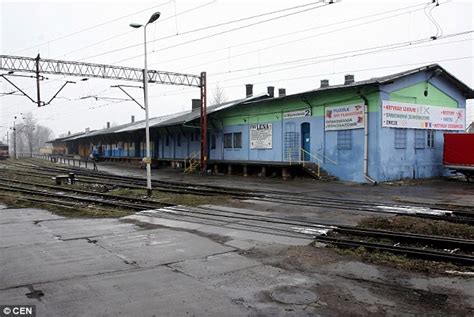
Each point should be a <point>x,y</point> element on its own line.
<point>395,164</point>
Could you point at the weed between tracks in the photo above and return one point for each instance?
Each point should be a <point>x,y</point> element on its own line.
<point>177,199</point>
<point>409,225</point>
<point>26,174</point>
<point>402,262</point>
<point>73,210</point>
<point>420,226</point>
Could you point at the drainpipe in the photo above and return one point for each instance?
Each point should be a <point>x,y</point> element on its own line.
<point>366,139</point>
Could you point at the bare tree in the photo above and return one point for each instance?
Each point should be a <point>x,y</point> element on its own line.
<point>30,135</point>
<point>219,96</point>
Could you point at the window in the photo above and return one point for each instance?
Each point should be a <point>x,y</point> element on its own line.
<point>178,141</point>
<point>191,137</point>
<point>400,138</point>
<point>238,140</point>
<point>167,140</point>
<point>228,140</point>
<point>196,136</point>
<point>420,137</point>
<point>213,141</point>
<point>430,139</point>
<point>344,139</point>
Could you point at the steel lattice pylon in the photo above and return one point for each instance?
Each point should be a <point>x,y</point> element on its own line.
<point>91,70</point>
<point>79,69</point>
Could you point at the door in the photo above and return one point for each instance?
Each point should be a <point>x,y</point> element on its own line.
<point>305,141</point>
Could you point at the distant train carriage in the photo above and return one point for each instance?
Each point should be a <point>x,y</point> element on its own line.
<point>3,151</point>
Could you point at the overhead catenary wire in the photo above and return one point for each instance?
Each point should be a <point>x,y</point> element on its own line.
<point>128,32</point>
<point>211,35</point>
<point>354,53</point>
<point>292,33</point>
<point>274,80</point>
<point>303,38</point>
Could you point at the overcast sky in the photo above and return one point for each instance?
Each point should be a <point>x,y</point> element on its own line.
<point>292,49</point>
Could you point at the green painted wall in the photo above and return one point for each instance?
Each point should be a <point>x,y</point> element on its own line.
<point>415,94</point>
<point>268,111</point>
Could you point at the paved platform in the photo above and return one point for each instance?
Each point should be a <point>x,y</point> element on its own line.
<point>108,267</point>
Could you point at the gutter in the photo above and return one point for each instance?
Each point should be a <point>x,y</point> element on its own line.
<point>366,140</point>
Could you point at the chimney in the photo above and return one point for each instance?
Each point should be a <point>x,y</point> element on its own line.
<point>133,119</point>
<point>88,130</point>
<point>248,90</point>
<point>196,104</point>
<point>324,83</point>
<point>271,91</point>
<point>348,79</point>
<point>69,133</point>
<point>281,92</point>
<point>108,125</point>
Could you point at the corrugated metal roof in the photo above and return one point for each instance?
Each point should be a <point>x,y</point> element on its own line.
<point>162,121</point>
<point>195,114</point>
<point>467,91</point>
<point>67,137</point>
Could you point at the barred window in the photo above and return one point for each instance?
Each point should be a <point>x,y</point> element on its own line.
<point>420,137</point>
<point>344,139</point>
<point>400,138</point>
<point>213,141</point>
<point>179,139</point>
<point>167,140</point>
<point>430,139</point>
<point>228,140</point>
<point>238,140</point>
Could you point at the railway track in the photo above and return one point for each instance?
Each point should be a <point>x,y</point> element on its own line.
<point>435,212</point>
<point>254,223</point>
<point>318,231</point>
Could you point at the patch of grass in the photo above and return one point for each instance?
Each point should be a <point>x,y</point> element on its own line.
<point>191,200</point>
<point>14,200</point>
<point>172,198</point>
<point>419,226</point>
<point>401,261</point>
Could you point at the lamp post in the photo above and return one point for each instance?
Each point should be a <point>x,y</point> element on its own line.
<point>152,19</point>
<point>15,154</point>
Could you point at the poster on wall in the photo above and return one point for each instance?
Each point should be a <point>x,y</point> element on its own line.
<point>344,117</point>
<point>261,136</point>
<point>415,116</point>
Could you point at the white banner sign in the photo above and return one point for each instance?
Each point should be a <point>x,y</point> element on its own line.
<point>261,136</point>
<point>344,117</point>
<point>414,116</point>
<point>297,114</point>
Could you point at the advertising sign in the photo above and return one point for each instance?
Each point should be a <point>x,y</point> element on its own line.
<point>297,114</point>
<point>261,136</point>
<point>344,117</point>
<point>414,116</point>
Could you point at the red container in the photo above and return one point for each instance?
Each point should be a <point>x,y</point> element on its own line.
<point>459,149</point>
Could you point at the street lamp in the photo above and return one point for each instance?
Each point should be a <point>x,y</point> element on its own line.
<point>153,18</point>
<point>15,154</point>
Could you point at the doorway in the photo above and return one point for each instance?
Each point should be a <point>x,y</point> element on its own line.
<point>305,141</point>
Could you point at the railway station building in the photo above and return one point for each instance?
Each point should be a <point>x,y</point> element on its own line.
<point>382,129</point>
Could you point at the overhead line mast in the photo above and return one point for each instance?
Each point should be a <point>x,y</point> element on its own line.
<point>37,66</point>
